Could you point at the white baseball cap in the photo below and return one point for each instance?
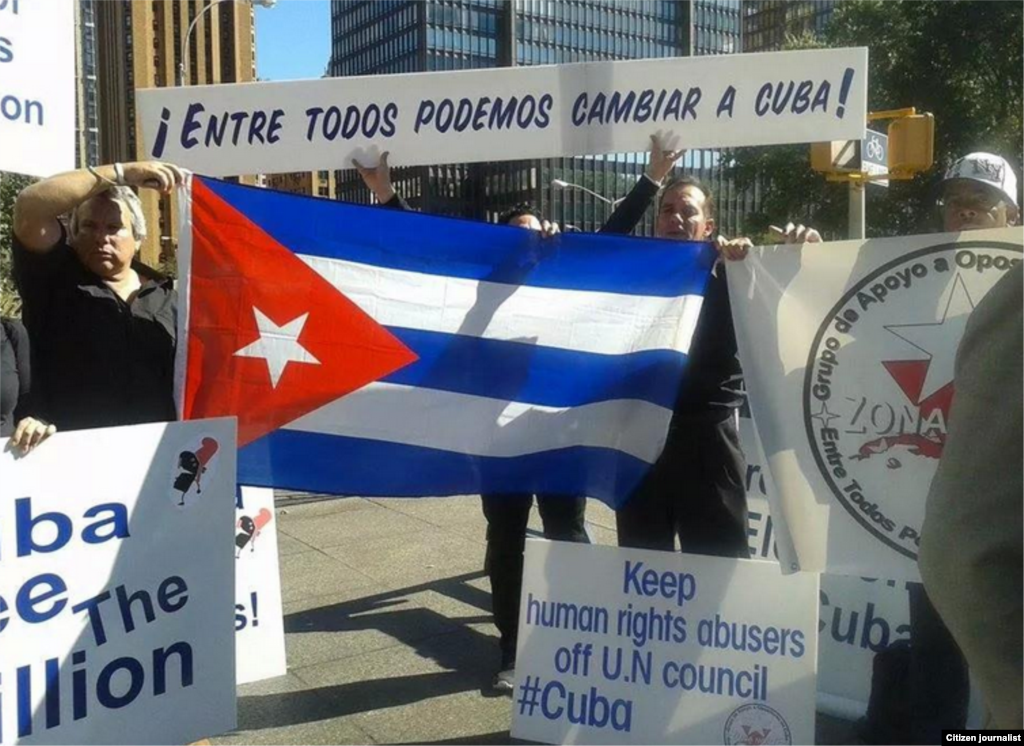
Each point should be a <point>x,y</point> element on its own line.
<point>986,168</point>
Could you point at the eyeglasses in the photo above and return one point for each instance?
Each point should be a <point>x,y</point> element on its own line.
<point>979,201</point>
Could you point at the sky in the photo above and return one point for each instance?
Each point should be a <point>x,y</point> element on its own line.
<point>293,39</point>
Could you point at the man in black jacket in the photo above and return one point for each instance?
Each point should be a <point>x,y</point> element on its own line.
<point>696,489</point>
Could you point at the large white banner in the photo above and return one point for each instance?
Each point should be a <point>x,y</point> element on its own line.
<point>847,351</point>
<point>857,618</point>
<point>259,620</point>
<point>37,86</point>
<point>635,646</point>
<point>509,113</point>
<point>116,586</point>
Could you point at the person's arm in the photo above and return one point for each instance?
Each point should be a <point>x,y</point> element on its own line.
<point>22,360</point>
<point>29,432</point>
<point>378,181</point>
<point>630,211</point>
<point>38,206</point>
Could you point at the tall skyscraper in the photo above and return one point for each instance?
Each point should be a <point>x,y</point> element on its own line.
<point>402,36</point>
<point>87,117</point>
<point>138,44</point>
<point>767,23</point>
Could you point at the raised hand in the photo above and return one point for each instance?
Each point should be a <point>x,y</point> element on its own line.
<point>663,159</point>
<point>378,178</point>
<point>157,175</point>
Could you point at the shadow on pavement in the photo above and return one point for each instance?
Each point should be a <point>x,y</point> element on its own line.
<point>405,625</point>
<point>257,712</point>
<point>467,654</point>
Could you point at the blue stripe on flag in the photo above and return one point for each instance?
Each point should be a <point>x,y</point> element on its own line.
<point>313,462</point>
<point>548,376</point>
<point>471,249</point>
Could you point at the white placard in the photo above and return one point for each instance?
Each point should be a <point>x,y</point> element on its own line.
<point>509,113</point>
<point>848,353</point>
<point>858,616</point>
<point>635,646</point>
<point>37,86</point>
<point>116,586</point>
<point>259,621</point>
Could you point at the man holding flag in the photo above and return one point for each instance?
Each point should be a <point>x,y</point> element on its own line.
<point>410,355</point>
<point>696,491</point>
<point>102,325</point>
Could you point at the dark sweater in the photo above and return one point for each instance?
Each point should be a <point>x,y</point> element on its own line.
<point>15,375</point>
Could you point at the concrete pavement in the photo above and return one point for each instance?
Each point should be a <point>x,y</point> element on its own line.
<point>387,624</point>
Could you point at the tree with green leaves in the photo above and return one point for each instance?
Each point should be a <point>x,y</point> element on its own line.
<point>10,185</point>
<point>962,61</point>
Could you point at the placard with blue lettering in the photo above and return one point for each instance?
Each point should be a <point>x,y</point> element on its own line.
<point>117,586</point>
<point>509,113</point>
<point>37,86</point>
<point>637,646</point>
<point>259,620</point>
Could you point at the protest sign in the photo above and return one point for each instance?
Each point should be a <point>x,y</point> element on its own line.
<point>851,401</point>
<point>116,586</point>
<point>37,86</point>
<point>635,646</point>
<point>259,620</point>
<point>509,113</point>
<point>857,616</point>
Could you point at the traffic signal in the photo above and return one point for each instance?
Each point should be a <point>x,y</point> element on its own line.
<point>912,143</point>
<point>833,157</point>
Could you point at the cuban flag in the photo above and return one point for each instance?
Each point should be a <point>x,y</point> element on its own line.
<point>377,352</point>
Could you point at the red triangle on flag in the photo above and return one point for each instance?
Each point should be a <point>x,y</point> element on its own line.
<point>241,279</point>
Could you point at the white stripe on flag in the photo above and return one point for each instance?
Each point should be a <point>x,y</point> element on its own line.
<point>481,426</point>
<point>605,323</point>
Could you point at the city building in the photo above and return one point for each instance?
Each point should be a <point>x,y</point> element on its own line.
<point>311,184</point>
<point>767,23</point>
<point>404,36</point>
<point>87,124</point>
<point>138,44</point>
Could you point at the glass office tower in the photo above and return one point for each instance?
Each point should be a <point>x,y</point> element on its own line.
<point>767,23</point>
<point>401,36</point>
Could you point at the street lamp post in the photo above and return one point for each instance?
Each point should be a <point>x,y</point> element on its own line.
<point>559,184</point>
<point>182,60</point>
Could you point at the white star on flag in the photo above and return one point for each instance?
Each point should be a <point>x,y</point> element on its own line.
<point>278,345</point>
<point>939,340</point>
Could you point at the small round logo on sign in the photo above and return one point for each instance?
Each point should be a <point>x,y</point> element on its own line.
<point>756,724</point>
<point>879,381</point>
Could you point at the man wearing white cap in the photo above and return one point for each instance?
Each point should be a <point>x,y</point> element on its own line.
<point>972,544</point>
<point>979,191</point>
